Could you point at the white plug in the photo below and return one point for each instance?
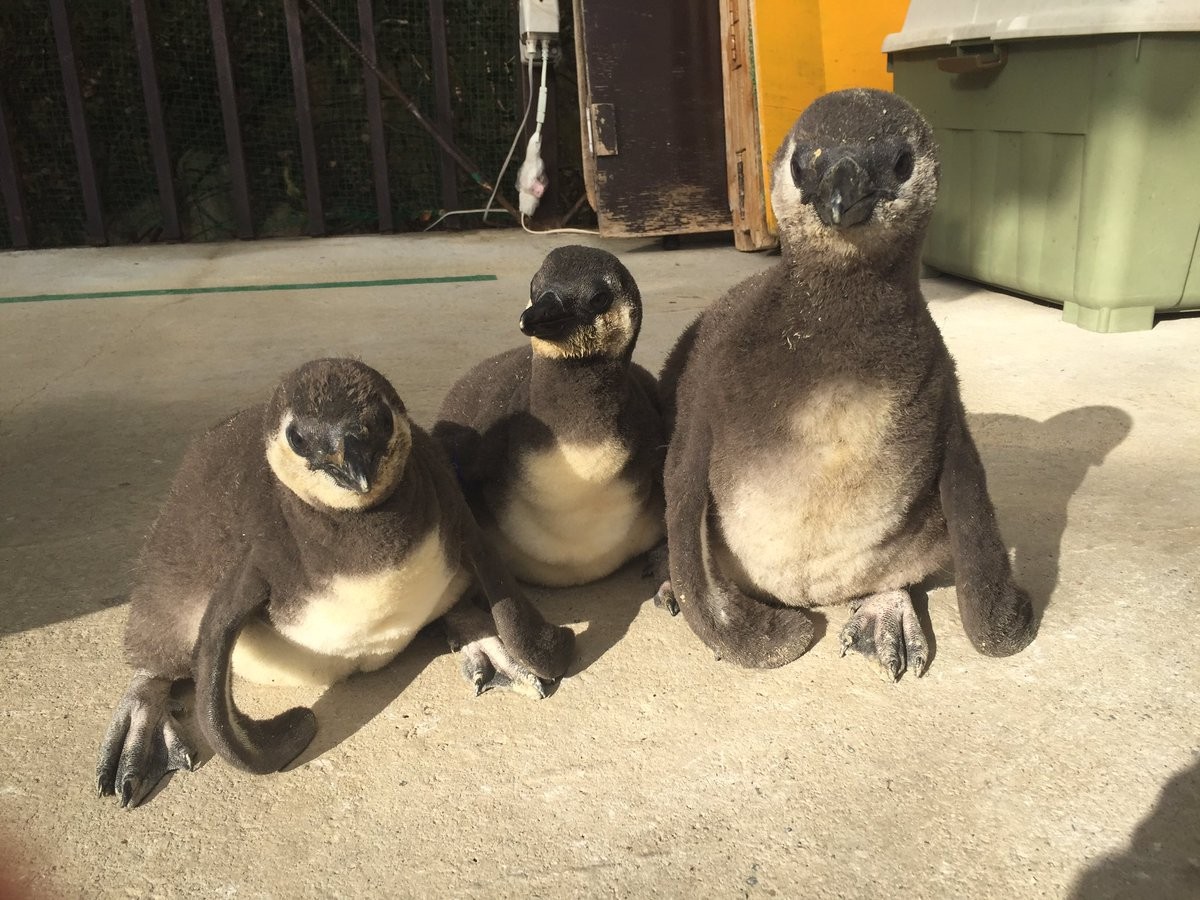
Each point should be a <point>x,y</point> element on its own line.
<point>531,177</point>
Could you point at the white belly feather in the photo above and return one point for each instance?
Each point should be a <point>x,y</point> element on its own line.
<point>353,623</point>
<point>805,522</point>
<point>571,519</point>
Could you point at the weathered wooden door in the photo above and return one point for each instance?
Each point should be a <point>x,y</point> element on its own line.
<point>651,97</point>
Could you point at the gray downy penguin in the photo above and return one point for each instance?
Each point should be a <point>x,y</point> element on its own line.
<point>820,452</point>
<point>301,541</point>
<point>559,444</point>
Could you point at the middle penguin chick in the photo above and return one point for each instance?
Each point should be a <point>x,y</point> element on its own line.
<point>559,445</point>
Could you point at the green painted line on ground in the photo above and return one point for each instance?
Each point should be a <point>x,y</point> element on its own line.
<point>244,288</point>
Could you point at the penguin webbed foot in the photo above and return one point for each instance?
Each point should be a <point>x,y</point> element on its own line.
<point>143,743</point>
<point>488,666</point>
<point>885,628</point>
<point>665,598</point>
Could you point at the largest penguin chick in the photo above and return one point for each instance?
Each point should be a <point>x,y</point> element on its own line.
<point>560,444</point>
<point>820,452</point>
<point>302,541</point>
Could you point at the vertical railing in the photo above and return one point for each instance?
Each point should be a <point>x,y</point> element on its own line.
<point>159,148</point>
<point>304,120</point>
<point>229,117</point>
<point>65,42</point>
<point>441,88</point>
<point>379,157</point>
<point>170,194</point>
<point>10,185</point>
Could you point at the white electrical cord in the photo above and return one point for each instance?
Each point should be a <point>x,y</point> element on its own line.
<point>557,230</point>
<point>516,137</point>
<point>455,212</point>
<point>532,170</point>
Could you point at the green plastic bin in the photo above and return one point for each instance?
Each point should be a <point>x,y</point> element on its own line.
<point>1070,146</point>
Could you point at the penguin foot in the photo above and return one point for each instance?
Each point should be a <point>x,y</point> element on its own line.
<point>143,743</point>
<point>488,666</point>
<point>885,627</point>
<point>665,599</point>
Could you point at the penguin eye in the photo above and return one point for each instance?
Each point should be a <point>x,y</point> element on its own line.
<point>296,441</point>
<point>904,166</point>
<point>797,169</point>
<point>601,300</point>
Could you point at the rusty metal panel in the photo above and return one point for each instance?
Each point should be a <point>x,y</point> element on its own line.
<point>653,85</point>
<point>94,214</point>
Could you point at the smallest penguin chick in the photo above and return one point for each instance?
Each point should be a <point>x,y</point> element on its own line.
<point>559,445</point>
<point>304,540</point>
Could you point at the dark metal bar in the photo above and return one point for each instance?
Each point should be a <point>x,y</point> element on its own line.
<point>94,214</point>
<point>154,117</point>
<point>229,118</point>
<point>573,211</point>
<point>304,121</point>
<point>10,185</point>
<point>441,93</point>
<point>383,190</point>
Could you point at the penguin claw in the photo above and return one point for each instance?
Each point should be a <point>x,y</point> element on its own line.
<point>143,744</point>
<point>488,666</point>
<point>885,628</point>
<point>665,599</point>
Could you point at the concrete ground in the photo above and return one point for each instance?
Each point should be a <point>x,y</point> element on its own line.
<point>1070,770</point>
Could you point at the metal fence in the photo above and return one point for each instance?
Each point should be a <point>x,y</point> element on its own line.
<point>143,120</point>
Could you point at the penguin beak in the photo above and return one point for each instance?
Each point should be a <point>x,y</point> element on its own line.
<point>846,195</point>
<point>547,317</point>
<point>350,465</point>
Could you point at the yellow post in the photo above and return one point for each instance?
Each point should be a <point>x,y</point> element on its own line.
<point>806,48</point>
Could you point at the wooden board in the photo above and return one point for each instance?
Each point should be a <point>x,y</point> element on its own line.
<point>651,96</point>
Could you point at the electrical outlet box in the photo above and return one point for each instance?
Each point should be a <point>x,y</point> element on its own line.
<point>538,22</point>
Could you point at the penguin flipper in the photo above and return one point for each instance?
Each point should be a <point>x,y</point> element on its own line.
<point>547,650</point>
<point>142,744</point>
<point>997,614</point>
<point>258,746</point>
<point>734,625</point>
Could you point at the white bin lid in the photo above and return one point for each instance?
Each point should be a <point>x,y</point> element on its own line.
<point>935,23</point>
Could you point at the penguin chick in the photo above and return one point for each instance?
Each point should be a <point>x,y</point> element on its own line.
<point>302,541</point>
<point>820,452</point>
<point>559,445</point>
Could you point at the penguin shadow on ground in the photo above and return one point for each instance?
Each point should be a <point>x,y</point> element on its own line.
<point>1033,470</point>
<point>608,607</point>
<point>1163,857</point>
<point>348,706</point>
<point>80,483</point>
